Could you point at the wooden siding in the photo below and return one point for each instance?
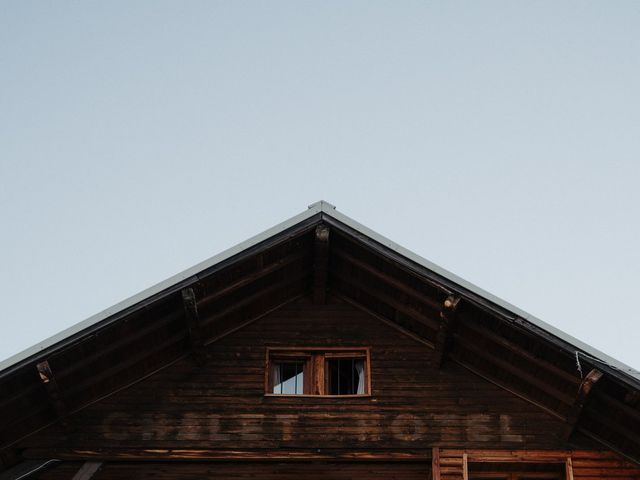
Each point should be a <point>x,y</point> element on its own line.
<point>214,421</point>
<point>221,405</point>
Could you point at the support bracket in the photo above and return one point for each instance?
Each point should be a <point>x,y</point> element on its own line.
<point>192,318</point>
<point>580,401</point>
<point>48,379</point>
<point>448,326</point>
<point>320,264</point>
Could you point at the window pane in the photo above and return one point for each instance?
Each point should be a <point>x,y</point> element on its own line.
<point>346,376</point>
<point>288,378</point>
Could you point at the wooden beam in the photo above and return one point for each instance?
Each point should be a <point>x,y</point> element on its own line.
<point>465,466</point>
<point>320,264</point>
<point>196,339</point>
<point>446,329</point>
<point>435,463</point>
<point>225,455</point>
<point>529,456</point>
<point>568,469</point>
<point>581,399</point>
<point>53,391</point>
<point>87,470</point>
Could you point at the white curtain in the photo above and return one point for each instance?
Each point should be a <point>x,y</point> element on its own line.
<point>359,364</point>
<point>275,375</point>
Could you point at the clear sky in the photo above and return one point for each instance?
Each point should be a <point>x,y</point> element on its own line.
<point>500,140</point>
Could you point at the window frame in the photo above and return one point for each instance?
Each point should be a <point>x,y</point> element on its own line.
<point>315,365</point>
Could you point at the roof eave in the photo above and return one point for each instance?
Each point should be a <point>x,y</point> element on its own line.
<point>167,286</point>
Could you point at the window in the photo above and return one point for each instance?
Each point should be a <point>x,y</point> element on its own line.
<point>288,378</point>
<point>345,376</point>
<point>318,371</point>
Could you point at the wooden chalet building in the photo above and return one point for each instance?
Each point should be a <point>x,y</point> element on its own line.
<point>317,350</point>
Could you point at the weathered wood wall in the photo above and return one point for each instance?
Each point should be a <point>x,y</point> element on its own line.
<point>218,411</point>
<point>221,404</point>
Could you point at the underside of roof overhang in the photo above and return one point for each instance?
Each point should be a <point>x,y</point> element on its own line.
<point>322,253</point>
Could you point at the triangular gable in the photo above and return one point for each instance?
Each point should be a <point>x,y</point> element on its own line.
<point>178,317</point>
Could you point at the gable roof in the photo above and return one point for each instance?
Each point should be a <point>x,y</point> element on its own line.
<point>389,266</point>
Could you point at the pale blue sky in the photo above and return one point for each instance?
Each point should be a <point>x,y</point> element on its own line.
<point>500,140</point>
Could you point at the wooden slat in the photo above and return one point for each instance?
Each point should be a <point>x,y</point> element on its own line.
<point>277,455</point>
<point>529,455</point>
<point>435,462</point>
<point>569,469</point>
<point>465,466</point>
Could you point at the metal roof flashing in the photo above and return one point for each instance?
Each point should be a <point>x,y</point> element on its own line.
<point>519,315</point>
<point>179,278</point>
<point>325,209</point>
